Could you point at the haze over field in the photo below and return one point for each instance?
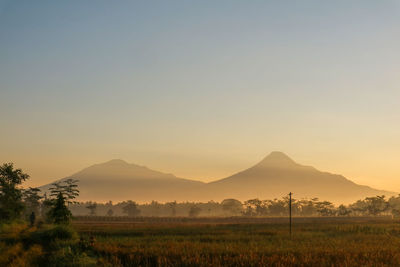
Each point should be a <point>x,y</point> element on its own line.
<point>273,177</point>
<point>201,89</point>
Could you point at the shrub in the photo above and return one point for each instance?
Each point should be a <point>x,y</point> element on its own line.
<point>53,237</point>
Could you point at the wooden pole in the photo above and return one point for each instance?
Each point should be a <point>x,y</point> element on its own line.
<point>290,213</point>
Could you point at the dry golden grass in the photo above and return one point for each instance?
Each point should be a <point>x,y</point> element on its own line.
<point>314,243</point>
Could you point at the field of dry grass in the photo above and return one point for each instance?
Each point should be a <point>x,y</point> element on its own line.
<point>232,242</point>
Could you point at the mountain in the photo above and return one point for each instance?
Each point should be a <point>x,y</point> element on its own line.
<point>275,176</point>
<point>118,180</point>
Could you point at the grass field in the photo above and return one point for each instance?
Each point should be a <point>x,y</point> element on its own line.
<point>236,242</point>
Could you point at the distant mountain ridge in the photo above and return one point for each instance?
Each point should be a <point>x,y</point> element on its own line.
<point>118,180</point>
<point>273,177</point>
<point>277,174</point>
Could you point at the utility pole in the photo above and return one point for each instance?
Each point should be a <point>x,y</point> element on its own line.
<point>290,213</point>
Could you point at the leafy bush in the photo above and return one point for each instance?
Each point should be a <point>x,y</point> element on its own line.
<point>53,236</point>
<point>47,246</point>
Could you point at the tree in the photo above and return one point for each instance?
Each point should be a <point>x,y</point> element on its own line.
<point>59,213</point>
<point>255,207</point>
<point>359,207</point>
<point>325,208</point>
<point>394,205</point>
<point>172,205</point>
<point>155,208</point>
<point>194,211</point>
<point>92,207</point>
<point>131,209</point>
<point>110,212</point>
<point>32,199</point>
<point>68,188</point>
<point>64,193</point>
<point>277,207</point>
<point>376,205</point>
<point>343,211</point>
<point>308,207</point>
<point>232,206</point>
<point>11,204</point>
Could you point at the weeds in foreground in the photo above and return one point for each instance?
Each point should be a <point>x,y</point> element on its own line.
<point>46,246</point>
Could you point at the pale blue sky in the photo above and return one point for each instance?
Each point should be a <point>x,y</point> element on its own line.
<point>201,89</point>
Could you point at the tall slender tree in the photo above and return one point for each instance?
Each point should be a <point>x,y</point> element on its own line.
<point>59,212</point>
<point>68,188</point>
<point>62,194</point>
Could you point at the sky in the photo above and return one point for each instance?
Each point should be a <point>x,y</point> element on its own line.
<point>201,89</point>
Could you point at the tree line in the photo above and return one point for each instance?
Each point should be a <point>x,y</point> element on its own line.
<point>370,206</point>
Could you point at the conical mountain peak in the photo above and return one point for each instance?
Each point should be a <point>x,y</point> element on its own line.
<point>277,159</point>
<point>116,162</point>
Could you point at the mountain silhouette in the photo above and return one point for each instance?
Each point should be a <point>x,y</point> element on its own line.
<point>277,174</point>
<point>118,180</point>
<point>273,177</point>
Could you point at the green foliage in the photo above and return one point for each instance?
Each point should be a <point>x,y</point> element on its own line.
<point>68,189</point>
<point>66,257</point>
<point>47,246</point>
<point>11,204</point>
<point>51,237</point>
<point>64,193</point>
<point>59,212</point>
